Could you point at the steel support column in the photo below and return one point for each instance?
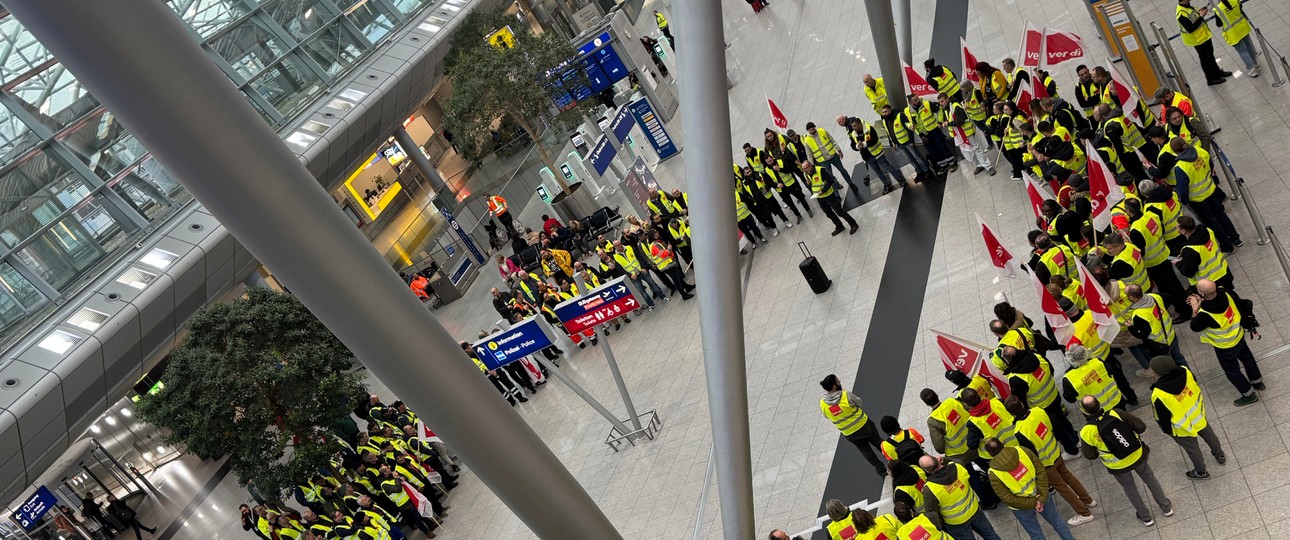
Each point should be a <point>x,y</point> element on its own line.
<point>140,61</point>
<point>705,109</point>
<point>886,50</point>
<point>421,162</point>
<point>905,29</point>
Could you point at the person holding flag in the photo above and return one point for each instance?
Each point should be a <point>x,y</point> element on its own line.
<point>1017,76</point>
<point>1124,136</point>
<point>969,140</point>
<point>942,79</point>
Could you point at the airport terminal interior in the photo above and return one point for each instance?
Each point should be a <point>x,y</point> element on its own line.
<point>96,232</point>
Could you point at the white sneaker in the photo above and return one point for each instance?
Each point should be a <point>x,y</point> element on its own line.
<point>774,232</point>
<point>1079,520</point>
<point>1254,72</point>
<point>1149,523</point>
<point>1145,373</point>
<point>787,224</point>
<point>1169,513</point>
<point>1092,504</point>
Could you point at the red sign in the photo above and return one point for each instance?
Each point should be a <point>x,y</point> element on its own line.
<point>1032,45</point>
<point>1037,194</point>
<point>969,63</point>
<point>1104,192</point>
<point>916,84</point>
<point>1000,257</point>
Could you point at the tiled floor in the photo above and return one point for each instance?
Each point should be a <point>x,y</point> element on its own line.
<point>809,57</point>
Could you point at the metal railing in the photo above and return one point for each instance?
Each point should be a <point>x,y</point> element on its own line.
<point>1266,234</point>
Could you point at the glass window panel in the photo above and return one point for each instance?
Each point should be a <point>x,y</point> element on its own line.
<point>408,7</point>
<point>74,245</point>
<point>15,137</point>
<point>371,21</point>
<point>19,50</point>
<point>102,143</point>
<point>17,296</point>
<point>335,49</point>
<point>288,85</point>
<point>54,97</point>
<point>34,192</point>
<point>208,16</point>
<point>249,48</point>
<point>302,17</point>
<point>150,190</point>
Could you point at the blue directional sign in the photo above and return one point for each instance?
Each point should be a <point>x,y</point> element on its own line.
<point>34,508</point>
<point>622,124</point>
<point>507,346</point>
<point>463,235</point>
<point>600,305</point>
<point>653,127</point>
<point>602,154</point>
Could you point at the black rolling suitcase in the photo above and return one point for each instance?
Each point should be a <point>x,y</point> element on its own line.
<point>813,272</point>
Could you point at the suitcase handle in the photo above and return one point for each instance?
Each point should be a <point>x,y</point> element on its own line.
<point>805,252</point>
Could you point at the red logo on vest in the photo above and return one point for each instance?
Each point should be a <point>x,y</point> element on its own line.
<point>1042,430</point>
<point>1038,373</point>
<point>919,533</point>
<point>1019,472</point>
<point>953,418</point>
<point>993,420</point>
<point>849,533</point>
<point>835,409</point>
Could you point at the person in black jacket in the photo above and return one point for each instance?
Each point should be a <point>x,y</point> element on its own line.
<point>1211,300</point>
<point>127,516</point>
<point>1189,260</point>
<point>864,139</point>
<point>1189,21</point>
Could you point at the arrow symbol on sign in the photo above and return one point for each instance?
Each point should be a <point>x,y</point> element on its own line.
<point>622,289</point>
<point>629,302</point>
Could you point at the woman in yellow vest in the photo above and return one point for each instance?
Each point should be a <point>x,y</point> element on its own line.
<point>1195,34</point>
<point>1236,32</point>
<point>914,525</point>
<point>1179,410</point>
<point>859,524</point>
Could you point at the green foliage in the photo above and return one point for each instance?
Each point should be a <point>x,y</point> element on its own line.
<point>492,86</point>
<point>249,377</point>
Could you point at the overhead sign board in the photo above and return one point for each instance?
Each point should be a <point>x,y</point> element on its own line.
<point>29,514</point>
<point>600,305</point>
<point>622,124</point>
<point>507,346</point>
<point>653,127</point>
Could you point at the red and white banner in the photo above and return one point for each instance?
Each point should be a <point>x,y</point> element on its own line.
<point>1037,85</point>
<point>1032,46</point>
<point>776,115</point>
<point>1123,89</point>
<point>1004,262</point>
<point>1061,46</point>
<point>1052,312</point>
<point>1099,302</point>
<point>1038,194</point>
<point>969,64</point>
<point>1104,192</point>
<point>533,370</point>
<point>1024,95</point>
<point>971,358</point>
<point>916,84</point>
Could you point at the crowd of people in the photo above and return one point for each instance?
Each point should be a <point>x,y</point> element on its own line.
<point>391,476</point>
<point>1004,439</point>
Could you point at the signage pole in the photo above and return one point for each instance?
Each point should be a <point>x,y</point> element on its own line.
<point>622,385</point>
<point>582,393</point>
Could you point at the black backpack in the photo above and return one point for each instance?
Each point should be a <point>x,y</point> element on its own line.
<point>908,450</point>
<point>1120,439</point>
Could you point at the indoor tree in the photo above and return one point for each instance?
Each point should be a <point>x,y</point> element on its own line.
<point>262,381</point>
<point>494,84</point>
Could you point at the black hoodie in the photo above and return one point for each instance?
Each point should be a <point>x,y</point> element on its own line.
<point>1024,362</point>
<point>905,476</point>
<point>1170,383</point>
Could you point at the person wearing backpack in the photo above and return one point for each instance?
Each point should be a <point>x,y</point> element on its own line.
<point>1112,436</point>
<point>1179,409</point>
<point>902,444</point>
<point>1018,477</point>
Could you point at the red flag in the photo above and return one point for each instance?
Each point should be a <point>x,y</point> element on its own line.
<point>1104,192</point>
<point>1038,194</point>
<point>1124,91</point>
<point>1099,303</point>
<point>1024,95</point>
<point>1041,91</point>
<point>776,115</point>
<point>916,84</point>
<point>969,64</point>
<point>971,358</point>
<point>1052,312</point>
<point>1001,257</point>
<point>1032,46</point>
<point>1061,46</point>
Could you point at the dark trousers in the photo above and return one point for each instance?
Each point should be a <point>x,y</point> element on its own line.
<point>507,222</point>
<point>686,253</point>
<point>674,279</point>
<point>1014,157</point>
<point>795,190</point>
<point>836,162</point>
<point>134,524</point>
<point>1233,359</point>
<point>1211,213</point>
<point>762,212</point>
<point>520,376</point>
<point>1133,165</point>
<point>832,207</point>
<point>1062,428</point>
<point>1168,284</point>
<point>939,148</point>
<point>1116,371</point>
<point>770,207</point>
<point>749,228</point>
<point>1205,53</point>
<point>867,440</point>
